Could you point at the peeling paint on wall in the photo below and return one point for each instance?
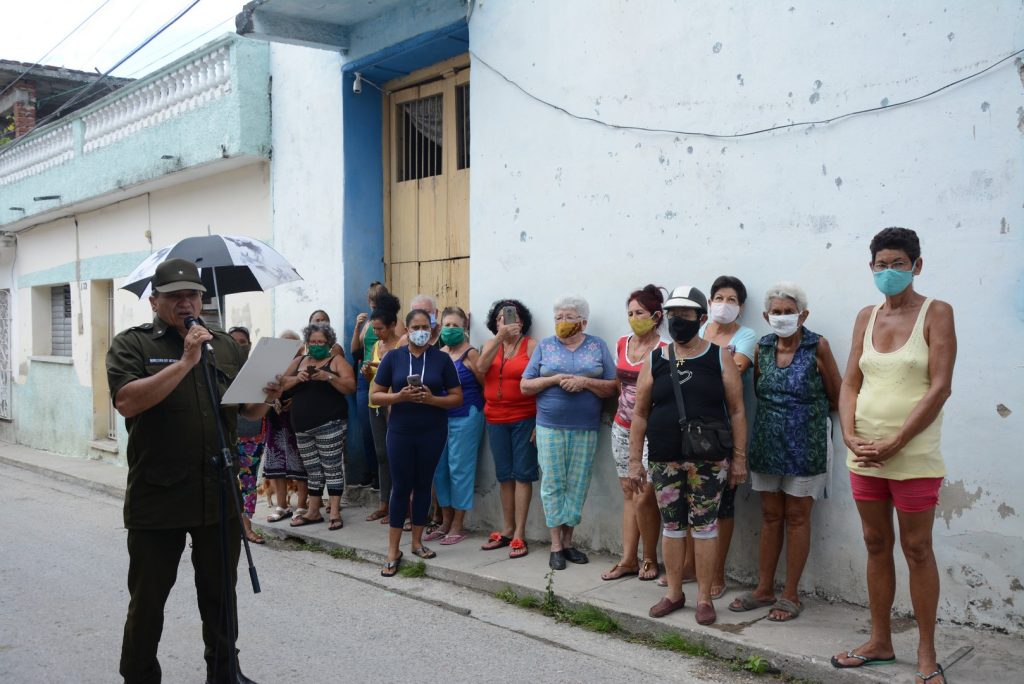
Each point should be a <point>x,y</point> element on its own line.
<point>954,499</point>
<point>1003,411</point>
<point>1005,511</point>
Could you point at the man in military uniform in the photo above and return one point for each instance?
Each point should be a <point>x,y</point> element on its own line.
<point>158,384</point>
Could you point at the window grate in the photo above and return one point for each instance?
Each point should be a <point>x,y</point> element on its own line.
<point>420,138</point>
<point>60,320</point>
<point>462,126</point>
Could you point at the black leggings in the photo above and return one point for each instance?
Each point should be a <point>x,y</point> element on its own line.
<point>412,459</point>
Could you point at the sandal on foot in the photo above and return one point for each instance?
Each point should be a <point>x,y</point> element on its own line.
<point>715,595</point>
<point>424,552</point>
<point>336,524</point>
<point>496,541</point>
<point>390,568</point>
<point>279,514</point>
<point>518,548</point>
<point>662,581</point>
<point>376,515</point>
<point>938,673</point>
<point>748,601</point>
<point>449,539</point>
<point>647,566</point>
<point>666,606</point>
<point>299,512</point>
<point>706,613</point>
<point>435,534</point>
<point>302,521</point>
<point>619,570</point>
<point>407,527</point>
<point>786,606</point>
<point>255,539</point>
<point>863,660</point>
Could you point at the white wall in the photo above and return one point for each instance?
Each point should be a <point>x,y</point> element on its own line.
<point>561,205</point>
<point>307,181</point>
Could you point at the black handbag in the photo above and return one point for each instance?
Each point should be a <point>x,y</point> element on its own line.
<point>702,439</point>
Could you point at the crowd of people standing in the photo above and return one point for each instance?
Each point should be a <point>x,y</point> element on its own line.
<point>682,436</point>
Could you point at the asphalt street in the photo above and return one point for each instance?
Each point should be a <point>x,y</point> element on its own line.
<point>63,565</point>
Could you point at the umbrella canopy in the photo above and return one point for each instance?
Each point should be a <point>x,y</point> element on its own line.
<point>228,264</point>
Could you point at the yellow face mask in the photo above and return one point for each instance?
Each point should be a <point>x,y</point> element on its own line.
<point>566,329</point>
<point>642,326</point>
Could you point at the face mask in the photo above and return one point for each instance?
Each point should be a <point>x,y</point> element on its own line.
<point>566,329</point>
<point>891,282</point>
<point>784,326</point>
<point>419,337</point>
<point>319,351</point>
<point>433,320</point>
<point>682,330</point>
<point>452,336</point>
<point>642,326</point>
<point>724,312</point>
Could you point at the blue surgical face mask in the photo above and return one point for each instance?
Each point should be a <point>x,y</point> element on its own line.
<point>419,337</point>
<point>433,320</point>
<point>891,282</point>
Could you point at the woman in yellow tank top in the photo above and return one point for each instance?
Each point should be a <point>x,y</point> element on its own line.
<point>890,407</point>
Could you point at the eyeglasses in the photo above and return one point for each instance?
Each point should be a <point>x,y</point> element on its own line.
<point>680,313</point>
<point>897,265</point>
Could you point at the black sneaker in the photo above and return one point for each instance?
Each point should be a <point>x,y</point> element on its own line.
<point>575,556</point>
<point>557,560</point>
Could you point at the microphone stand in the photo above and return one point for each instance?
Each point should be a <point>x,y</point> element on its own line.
<point>228,483</point>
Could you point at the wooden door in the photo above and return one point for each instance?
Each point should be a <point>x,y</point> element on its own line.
<point>426,162</point>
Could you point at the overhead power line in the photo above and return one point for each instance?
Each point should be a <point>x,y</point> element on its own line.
<point>39,61</point>
<point>103,76</point>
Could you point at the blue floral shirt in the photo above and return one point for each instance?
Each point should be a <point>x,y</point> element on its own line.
<point>563,410</point>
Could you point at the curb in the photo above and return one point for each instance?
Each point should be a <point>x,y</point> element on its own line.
<point>787,664</point>
<point>115,491</point>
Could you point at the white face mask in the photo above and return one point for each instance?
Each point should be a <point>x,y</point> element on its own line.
<point>784,326</point>
<point>419,337</point>
<point>724,312</point>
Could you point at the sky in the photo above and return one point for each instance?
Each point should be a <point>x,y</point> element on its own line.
<point>115,30</point>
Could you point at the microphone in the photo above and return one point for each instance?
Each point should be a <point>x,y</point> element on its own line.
<point>189,323</point>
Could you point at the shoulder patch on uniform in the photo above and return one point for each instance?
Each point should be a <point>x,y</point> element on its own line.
<point>144,326</point>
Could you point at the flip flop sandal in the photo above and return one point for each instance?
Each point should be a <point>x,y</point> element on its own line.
<point>376,515</point>
<point>718,594</point>
<point>279,514</point>
<point>786,606</point>
<point>407,527</point>
<point>450,539</point>
<point>496,541</point>
<point>424,552</point>
<point>663,581</point>
<point>864,660</point>
<point>299,512</point>
<point>302,522</point>
<point>938,673</point>
<point>748,601</point>
<point>336,524</point>
<point>647,565</point>
<point>434,535</point>
<point>619,570</point>
<point>255,539</point>
<point>390,568</point>
<point>518,549</point>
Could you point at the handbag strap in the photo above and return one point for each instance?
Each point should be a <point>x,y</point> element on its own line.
<point>675,385</point>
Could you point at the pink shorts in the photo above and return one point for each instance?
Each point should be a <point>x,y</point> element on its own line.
<point>908,496</point>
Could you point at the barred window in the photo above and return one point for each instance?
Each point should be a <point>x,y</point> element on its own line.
<point>60,320</point>
<point>420,138</point>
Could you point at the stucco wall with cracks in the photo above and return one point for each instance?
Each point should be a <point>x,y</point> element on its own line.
<point>562,205</point>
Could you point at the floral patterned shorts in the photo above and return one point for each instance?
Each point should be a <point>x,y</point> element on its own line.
<point>688,496</point>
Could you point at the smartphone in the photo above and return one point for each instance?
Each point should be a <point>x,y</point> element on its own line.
<point>414,380</point>
<point>310,369</point>
<point>509,315</point>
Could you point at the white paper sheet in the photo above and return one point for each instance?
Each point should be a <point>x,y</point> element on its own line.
<point>268,359</point>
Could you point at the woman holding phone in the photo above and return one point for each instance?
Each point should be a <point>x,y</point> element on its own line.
<point>318,383</point>
<point>511,418</point>
<point>420,384</point>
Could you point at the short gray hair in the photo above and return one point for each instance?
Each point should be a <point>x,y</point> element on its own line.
<point>786,290</point>
<point>577,304</point>
<point>423,298</point>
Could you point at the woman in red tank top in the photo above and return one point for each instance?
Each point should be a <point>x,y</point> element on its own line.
<point>511,418</point>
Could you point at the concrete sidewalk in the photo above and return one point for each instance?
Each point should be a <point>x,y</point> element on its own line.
<point>801,648</point>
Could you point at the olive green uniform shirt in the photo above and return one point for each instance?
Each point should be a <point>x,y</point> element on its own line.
<point>172,482</point>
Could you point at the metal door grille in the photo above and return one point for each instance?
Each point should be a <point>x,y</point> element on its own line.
<point>420,138</point>
<point>60,320</point>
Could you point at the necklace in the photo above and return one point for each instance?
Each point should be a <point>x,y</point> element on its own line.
<point>637,347</point>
